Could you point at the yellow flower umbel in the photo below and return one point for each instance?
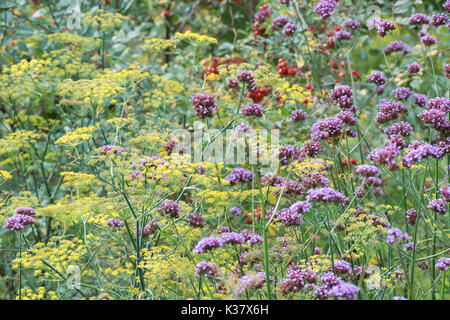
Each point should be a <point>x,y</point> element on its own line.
<point>4,175</point>
<point>157,45</point>
<point>76,137</point>
<point>104,20</point>
<point>194,39</point>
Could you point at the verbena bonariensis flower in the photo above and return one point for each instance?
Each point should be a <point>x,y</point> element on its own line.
<point>443,263</point>
<point>437,119</point>
<point>437,205</point>
<point>251,238</point>
<point>28,211</point>
<point>300,207</point>
<point>150,227</point>
<point>344,290</point>
<point>204,105</point>
<point>342,267</point>
<point>312,148</point>
<point>394,234</point>
<point>239,175</point>
<point>446,5</point>
<point>223,229</point>
<point>414,67</point>
<point>347,117</point>
<point>382,26</point>
<point>418,151</point>
<point>385,155</point>
<point>114,222</point>
<point>295,280</point>
<point>242,128</point>
<point>170,208</point>
<point>418,19</point>
<point>367,170</point>
<point>402,128</point>
<point>110,148</point>
<point>287,153</point>
<point>196,220</point>
<point>343,97</point>
<point>389,110</point>
<point>280,21</point>
<point>289,217</point>
<point>206,269</point>
<point>396,46</point>
<point>231,238</point>
<point>411,216</point>
<point>289,29</point>
<point>236,211</point>
<point>327,195</point>
<point>18,222</point>
<point>251,282</point>
<point>440,103</point>
<point>253,109</point>
<point>377,77</point>
<point>247,77</point>
<point>343,35</point>
<point>428,40</point>
<point>262,14</point>
<point>352,24</point>
<point>420,100</point>
<point>446,70</point>
<point>445,192</point>
<point>399,298</point>
<point>208,243</point>
<point>325,8</point>
<point>439,19</point>
<point>327,128</point>
<point>298,115</point>
<point>402,93</point>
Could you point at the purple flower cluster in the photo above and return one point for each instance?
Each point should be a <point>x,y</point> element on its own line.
<point>326,195</point>
<point>419,151</point>
<point>253,109</point>
<point>312,148</point>
<point>114,223</point>
<point>204,105</point>
<point>251,238</point>
<point>110,148</point>
<point>394,234</point>
<point>446,5</point>
<point>352,24</point>
<point>287,153</point>
<point>327,128</point>
<point>439,19</point>
<point>170,208</point>
<point>342,267</point>
<point>446,70</point>
<point>418,19</point>
<point>236,211</point>
<point>396,46</point>
<point>439,103</point>
<point>402,128</point>
<point>385,155</point>
<point>289,29</point>
<point>445,192</point>
<point>402,93</point>
<point>207,243</point>
<point>206,269</point>
<point>389,110</point>
<point>411,216</point>
<point>377,77</point>
<point>239,175</point>
<point>247,77</point>
<point>150,227</point>
<point>18,222</point>
<point>437,205</point>
<point>298,115</point>
<point>289,217</point>
<point>414,67</point>
<point>443,264</point>
<point>343,35</point>
<point>367,170</point>
<point>344,290</point>
<point>420,100</point>
<point>428,40</point>
<point>196,220</point>
<point>382,26</point>
<point>437,119</point>
<point>300,207</point>
<point>28,211</point>
<point>262,14</point>
<point>343,97</point>
<point>325,8</point>
<point>280,21</point>
<point>231,238</point>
